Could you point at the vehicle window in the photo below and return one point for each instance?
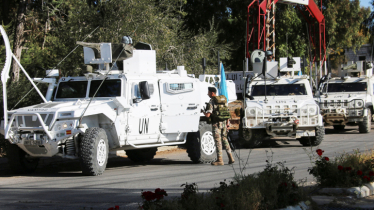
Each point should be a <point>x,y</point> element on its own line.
<point>110,88</point>
<point>279,90</point>
<point>345,87</point>
<point>72,89</point>
<point>179,87</point>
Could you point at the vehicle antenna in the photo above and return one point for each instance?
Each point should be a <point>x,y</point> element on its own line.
<point>51,71</point>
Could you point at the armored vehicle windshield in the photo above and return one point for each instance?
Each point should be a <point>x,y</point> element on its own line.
<point>78,89</point>
<point>279,90</point>
<point>345,87</point>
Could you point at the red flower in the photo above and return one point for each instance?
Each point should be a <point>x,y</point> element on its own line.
<point>293,185</point>
<point>222,205</point>
<point>117,207</point>
<point>111,208</point>
<point>371,173</point>
<point>359,172</point>
<point>348,168</point>
<point>340,167</point>
<point>367,178</point>
<point>326,158</point>
<point>320,152</point>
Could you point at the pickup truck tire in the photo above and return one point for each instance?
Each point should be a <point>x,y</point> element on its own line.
<point>94,150</point>
<point>253,137</point>
<point>201,147</point>
<point>18,162</point>
<point>314,140</point>
<point>339,127</point>
<point>141,155</point>
<point>365,125</point>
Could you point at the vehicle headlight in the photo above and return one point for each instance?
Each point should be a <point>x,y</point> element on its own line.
<point>252,111</point>
<point>63,125</point>
<point>312,110</point>
<point>359,104</point>
<point>259,111</point>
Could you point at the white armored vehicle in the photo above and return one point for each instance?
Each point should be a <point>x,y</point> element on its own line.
<point>133,108</point>
<point>348,99</point>
<point>280,106</point>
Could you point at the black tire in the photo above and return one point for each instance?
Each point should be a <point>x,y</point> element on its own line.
<point>314,140</point>
<point>94,163</point>
<point>253,138</point>
<point>18,160</point>
<point>339,127</point>
<point>201,147</point>
<point>365,125</point>
<point>141,155</point>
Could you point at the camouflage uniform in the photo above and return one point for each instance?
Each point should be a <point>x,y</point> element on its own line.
<point>219,133</point>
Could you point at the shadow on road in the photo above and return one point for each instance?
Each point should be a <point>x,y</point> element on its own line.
<point>50,167</point>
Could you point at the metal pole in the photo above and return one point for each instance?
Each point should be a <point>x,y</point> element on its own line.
<point>219,69</point>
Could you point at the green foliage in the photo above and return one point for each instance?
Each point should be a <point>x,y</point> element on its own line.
<point>272,188</point>
<point>346,170</point>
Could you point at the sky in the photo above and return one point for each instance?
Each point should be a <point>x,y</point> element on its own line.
<point>366,3</point>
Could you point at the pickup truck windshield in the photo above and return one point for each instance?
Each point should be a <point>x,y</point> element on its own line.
<point>345,87</point>
<point>110,88</point>
<point>279,90</point>
<point>72,89</point>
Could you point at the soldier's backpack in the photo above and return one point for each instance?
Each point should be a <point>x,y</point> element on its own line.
<point>220,110</point>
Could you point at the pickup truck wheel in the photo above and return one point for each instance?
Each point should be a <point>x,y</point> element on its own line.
<point>18,161</point>
<point>252,137</point>
<point>314,140</point>
<point>339,127</point>
<point>201,147</point>
<point>94,151</point>
<point>365,125</point>
<point>141,155</point>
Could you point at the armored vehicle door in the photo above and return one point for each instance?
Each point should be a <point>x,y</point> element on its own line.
<point>180,101</point>
<point>144,116</point>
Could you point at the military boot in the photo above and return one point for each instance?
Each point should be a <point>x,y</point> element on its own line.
<point>219,162</point>
<point>231,158</point>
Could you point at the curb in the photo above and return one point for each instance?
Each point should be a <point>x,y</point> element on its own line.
<point>300,206</point>
<point>358,192</point>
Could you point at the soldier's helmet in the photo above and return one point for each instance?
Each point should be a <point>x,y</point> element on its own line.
<point>126,40</point>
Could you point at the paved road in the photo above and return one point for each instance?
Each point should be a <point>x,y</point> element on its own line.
<point>61,185</point>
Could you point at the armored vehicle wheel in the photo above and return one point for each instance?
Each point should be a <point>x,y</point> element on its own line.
<point>365,125</point>
<point>201,147</point>
<point>253,137</point>
<point>94,151</point>
<point>314,140</point>
<point>18,161</point>
<point>141,155</point>
<point>339,127</point>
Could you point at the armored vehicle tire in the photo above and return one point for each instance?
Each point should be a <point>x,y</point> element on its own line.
<point>94,151</point>
<point>253,137</point>
<point>17,160</point>
<point>141,155</point>
<point>201,147</point>
<point>314,140</point>
<point>365,125</point>
<point>339,127</point>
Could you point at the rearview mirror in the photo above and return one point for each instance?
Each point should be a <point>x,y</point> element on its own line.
<point>144,90</point>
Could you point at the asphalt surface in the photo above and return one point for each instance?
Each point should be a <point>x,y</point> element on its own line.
<point>59,184</point>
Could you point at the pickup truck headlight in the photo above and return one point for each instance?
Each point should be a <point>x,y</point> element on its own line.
<point>311,110</point>
<point>252,111</point>
<point>63,125</point>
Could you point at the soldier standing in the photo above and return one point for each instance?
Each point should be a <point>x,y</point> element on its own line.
<point>219,130</point>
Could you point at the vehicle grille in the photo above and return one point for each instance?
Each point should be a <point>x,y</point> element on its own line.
<point>32,121</point>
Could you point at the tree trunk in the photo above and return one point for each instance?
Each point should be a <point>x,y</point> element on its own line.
<point>18,38</point>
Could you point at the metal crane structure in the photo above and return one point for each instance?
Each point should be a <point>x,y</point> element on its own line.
<point>261,26</point>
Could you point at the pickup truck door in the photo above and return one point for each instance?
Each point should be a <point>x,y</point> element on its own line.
<point>144,116</point>
<point>180,102</point>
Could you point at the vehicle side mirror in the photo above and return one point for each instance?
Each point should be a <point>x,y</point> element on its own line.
<point>144,90</point>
